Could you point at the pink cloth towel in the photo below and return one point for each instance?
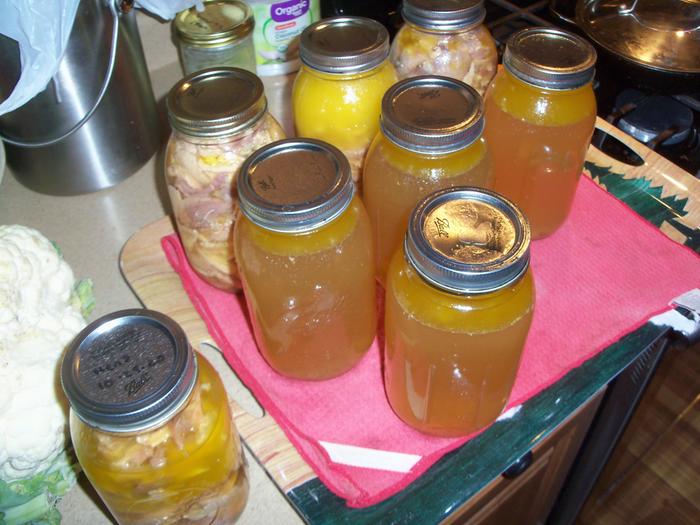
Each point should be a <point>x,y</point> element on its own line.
<point>603,274</point>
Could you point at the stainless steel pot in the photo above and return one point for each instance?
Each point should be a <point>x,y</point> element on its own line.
<point>96,123</point>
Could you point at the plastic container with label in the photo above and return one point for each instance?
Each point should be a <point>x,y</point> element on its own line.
<point>459,303</point>
<point>304,249</point>
<point>218,116</point>
<point>540,117</point>
<point>150,423</point>
<point>430,138</point>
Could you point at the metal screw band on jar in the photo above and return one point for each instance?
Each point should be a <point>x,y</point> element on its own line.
<point>550,58</point>
<point>432,114</point>
<point>444,15</point>
<point>295,185</point>
<point>468,240</point>
<point>221,22</point>
<point>344,45</point>
<point>216,102</point>
<point>129,371</point>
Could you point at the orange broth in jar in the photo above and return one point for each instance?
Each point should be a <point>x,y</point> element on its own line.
<point>540,114</point>
<point>459,303</point>
<point>430,138</point>
<point>306,260</point>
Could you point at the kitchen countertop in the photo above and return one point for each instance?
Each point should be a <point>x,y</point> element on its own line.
<point>91,231</point>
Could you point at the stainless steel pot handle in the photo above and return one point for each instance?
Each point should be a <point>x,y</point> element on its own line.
<point>124,7</point>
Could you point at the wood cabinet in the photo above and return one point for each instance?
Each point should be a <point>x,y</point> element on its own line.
<point>527,498</point>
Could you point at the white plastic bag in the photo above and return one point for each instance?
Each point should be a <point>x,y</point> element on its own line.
<point>42,27</point>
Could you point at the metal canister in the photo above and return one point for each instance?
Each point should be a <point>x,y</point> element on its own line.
<point>219,35</point>
<point>150,423</point>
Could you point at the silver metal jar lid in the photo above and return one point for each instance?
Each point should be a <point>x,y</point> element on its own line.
<point>468,240</point>
<point>216,102</point>
<point>444,15</point>
<point>432,114</point>
<point>350,44</point>
<point>550,58</point>
<point>295,185</point>
<point>128,371</point>
<point>219,23</point>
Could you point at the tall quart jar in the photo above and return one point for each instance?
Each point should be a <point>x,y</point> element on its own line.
<point>150,423</point>
<point>218,117</point>
<point>540,116</point>
<point>430,138</point>
<point>338,92</point>
<point>304,250</point>
<point>459,302</point>
<point>447,38</point>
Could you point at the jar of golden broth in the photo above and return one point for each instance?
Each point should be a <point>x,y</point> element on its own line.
<point>151,424</point>
<point>218,117</point>
<point>304,249</point>
<point>338,91</point>
<point>459,302</point>
<point>430,138</point>
<point>540,117</point>
<point>447,38</point>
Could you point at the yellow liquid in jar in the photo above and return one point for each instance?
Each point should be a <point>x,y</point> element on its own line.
<point>450,361</point>
<point>395,179</point>
<point>341,109</point>
<point>190,467</point>
<point>539,139</point>
<point>311,296</point>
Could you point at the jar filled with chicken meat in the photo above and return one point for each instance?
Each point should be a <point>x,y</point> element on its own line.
<point>338,92</point>
<point>459,303</point>
<point>304,250</point>
<point>151,424</point>
<point>218,117</point>
<point>448,38</point>
<point>430,138</point>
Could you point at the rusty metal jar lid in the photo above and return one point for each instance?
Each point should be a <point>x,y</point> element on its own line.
<point>550,58</point>
<point>432,114</point>
<point>216,102</point>
<point>129,371</point>
<point>295,185</point>
<point>344,45</point>
<point>468,240</point>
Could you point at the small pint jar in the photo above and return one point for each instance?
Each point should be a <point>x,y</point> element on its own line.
<point>221,35</point>
<point>338,92</point>
<point>459,303</point>
<point>218,117</point>
<point>304,249</point>
<point>150,423</point>
<point>430,138</point>
<point>540,117</point>
<point>447,38</point>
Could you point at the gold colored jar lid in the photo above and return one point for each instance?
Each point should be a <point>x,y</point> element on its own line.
<point>432,114</point>
<point>444,15</point>
<point>295,185</point>
<point>221,22</point>
<point>468,240</point>
<point>129,371</point>
<point>216,102</point>
<point>344,45</point>
<point>550,58</point>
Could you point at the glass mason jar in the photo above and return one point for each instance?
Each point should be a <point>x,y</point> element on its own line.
<point>218,117</point>
<point>430,138</point>
<point>445,38</point>
<point>540,117</point>
<point>459,303</point>
<point>221,35</point>
<point>337,94</point>
<point>151,424</point>
<point>304,248</point>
